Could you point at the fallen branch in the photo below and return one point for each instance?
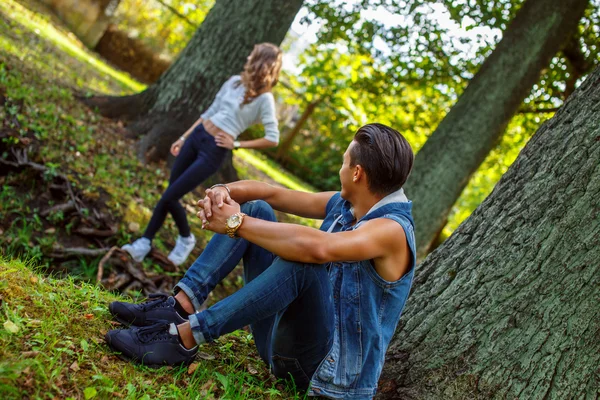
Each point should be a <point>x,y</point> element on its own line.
<point>65,207</point>
<point>140,276</point>
<point>62,252</point>
<point>116,281</point>
<point>101,263</point>
<point>86,231</point>
<point>135,285</point>
<point>166,263</point>
<point>22,160</point>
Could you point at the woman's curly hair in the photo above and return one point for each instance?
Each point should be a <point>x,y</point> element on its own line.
<point>261,70</point>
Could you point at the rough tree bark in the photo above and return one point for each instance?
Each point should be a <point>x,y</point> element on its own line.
<point>473,126</point>
<point>507,307</point>
<point>217,50</point>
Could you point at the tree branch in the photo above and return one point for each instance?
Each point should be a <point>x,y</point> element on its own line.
<point>579,65</point>
<point>177,13</point>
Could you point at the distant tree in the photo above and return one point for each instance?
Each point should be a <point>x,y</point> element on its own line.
<point>477,121</point>
<point>426,67</point>
<point>507,307</point>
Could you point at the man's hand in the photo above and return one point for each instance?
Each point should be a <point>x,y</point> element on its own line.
<point>218,219</point>
<point>216,196</point>
<point>216,207</point>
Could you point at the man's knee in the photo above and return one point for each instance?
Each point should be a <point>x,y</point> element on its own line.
<point>259,209</point>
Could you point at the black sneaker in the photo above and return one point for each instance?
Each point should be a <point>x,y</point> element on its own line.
<point>153,346</point>
<point>159,307</point>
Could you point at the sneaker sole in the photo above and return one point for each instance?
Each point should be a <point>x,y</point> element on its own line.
<point>138,362</point>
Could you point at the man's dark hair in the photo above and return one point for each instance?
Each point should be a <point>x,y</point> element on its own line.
<point>385,155</point>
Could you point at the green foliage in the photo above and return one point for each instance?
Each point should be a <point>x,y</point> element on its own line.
<point>171,30</point>
<point>394,62</point>
<point>416,48</point>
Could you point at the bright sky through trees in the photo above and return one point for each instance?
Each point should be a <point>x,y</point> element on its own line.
<point>306,34</point>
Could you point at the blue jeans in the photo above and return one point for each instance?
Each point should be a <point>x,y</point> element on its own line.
<point>199,158</point>
<point>288,305</point>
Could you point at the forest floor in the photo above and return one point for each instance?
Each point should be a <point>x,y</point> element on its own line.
<point>72,190</point>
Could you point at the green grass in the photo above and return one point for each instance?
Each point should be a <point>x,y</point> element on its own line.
<point>51,330</point>
<point>273,170</point>
<point>40,25</point>
<point>52,346</point>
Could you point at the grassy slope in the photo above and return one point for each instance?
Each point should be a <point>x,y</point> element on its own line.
<point>57,349</point>
<point>40,63</point>
<point>52,346</point>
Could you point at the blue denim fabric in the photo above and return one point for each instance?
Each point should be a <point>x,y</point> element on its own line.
<point>199,158</point>
<point>367,307</point>
<point>289,306</point>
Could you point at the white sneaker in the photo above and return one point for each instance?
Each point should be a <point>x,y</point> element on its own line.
<point>138,249</point>
<point>183,248</point>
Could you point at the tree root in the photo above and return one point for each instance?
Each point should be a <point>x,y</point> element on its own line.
<point>66,252</point>
<point>65,208</point>
<point>86,231</point>
<point>126,275</point>
<point>118,107</point>
<point>89,225</point>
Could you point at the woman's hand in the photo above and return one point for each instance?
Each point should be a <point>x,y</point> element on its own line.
<point>176,147</point>
<point>224,140</point>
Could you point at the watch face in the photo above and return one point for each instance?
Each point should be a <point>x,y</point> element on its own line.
<point>233,221</point>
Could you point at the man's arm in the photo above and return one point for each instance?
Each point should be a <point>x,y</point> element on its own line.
<point>304,204</point>
<point>374,239</point>
<point>382,240</point>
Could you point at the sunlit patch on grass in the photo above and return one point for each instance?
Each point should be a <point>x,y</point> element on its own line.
<point>41,26</point>
<point>273,170</point>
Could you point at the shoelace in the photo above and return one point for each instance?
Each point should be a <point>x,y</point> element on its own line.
<point>160,298</point>
<point>159,331</point>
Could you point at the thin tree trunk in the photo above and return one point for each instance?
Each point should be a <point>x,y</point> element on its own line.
<point>578,64</point>
<point>474,125</point>
<point>217,50</point>
<point>508,307</point>
<point>284,146</point>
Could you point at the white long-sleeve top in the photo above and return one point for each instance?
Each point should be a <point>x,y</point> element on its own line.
<point>228,113</point>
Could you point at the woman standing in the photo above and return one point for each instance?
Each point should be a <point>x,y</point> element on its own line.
<point>242,101</point>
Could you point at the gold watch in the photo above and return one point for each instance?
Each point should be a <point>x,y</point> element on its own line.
<point>233,223</point>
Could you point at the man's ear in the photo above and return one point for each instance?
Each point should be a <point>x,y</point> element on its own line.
<point>358,173</point>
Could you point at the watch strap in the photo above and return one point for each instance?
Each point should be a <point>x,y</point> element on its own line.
<point>231,232</point>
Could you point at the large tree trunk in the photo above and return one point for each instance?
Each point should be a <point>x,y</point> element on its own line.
<point>217,50</point>
<point>474,125</point>
<point>508,306</point>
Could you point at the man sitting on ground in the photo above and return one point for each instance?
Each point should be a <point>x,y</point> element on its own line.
<point>322,304</point>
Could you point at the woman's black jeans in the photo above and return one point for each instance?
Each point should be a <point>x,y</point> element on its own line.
<point>199,158</point>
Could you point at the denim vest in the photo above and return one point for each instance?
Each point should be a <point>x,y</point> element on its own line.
<point>367,307</point>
